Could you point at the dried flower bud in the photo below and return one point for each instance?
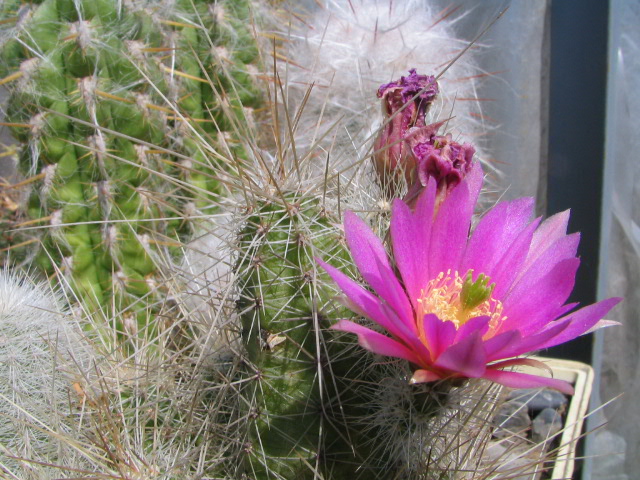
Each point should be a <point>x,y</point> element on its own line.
<point>438,157</point>
<point>405,104</point>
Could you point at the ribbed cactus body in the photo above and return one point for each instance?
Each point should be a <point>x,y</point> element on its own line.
<point>102,93</point>
<point>217,93</point>
<point>284,306</point>
<point>75,55</point>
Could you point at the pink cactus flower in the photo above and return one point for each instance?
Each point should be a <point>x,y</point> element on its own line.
<point>467,306</point>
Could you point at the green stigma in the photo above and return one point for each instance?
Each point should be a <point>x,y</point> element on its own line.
<point>474,293</point>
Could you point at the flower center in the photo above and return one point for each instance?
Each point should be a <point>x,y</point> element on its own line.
<point>457,300</point>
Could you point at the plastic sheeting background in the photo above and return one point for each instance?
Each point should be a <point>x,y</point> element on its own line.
<point>617,350</point>
<point>515,98</point>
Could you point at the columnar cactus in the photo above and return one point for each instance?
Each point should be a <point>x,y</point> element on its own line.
<point>115,105</point>
<point>284,308</point>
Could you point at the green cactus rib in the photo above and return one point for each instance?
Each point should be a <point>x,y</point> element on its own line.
<point>68,59</point>
<point>114,205</point>
<point>283,303</point>
<point>219,93</point>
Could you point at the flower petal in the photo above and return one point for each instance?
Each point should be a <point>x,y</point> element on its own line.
<point>371,259</point>
<point>466,357</point>
<point>526,380</point>
<point>376,342</point>
<point>507,268</point>
<point>520,345</point>
<point>480,324</point>
<point>474,179</point>
<point>424,376</point>
<point>372,307</point>
<point>413,342</point>
<point>562,249</point>
<point>531,362</point>
<point>550,231</point>
<point>451,225</point>
<point>582,321</point>
<point>602,324</point>
<point>439,334</point>
<point>536,301</point>
<point>494,234</point>
<point>410,234</point>
<point>494,345</point>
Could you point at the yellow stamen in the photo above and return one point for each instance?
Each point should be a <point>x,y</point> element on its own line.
<point>441,296</point>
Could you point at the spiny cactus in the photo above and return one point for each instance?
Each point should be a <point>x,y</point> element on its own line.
<point>40,349</point>
<point>298,381</point>
<point>109,101</point>
<point>313,404</point>
<point>284,309</point>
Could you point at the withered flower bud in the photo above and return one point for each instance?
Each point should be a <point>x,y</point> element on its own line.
<point>404,104</point>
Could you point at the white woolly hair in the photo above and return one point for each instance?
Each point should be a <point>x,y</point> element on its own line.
<point>206,276</point>
<point>39,347</point>
<point>347,49</point>
<point>336,55</point>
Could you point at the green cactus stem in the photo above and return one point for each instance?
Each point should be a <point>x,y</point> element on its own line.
<point>284,306</point>
<point>313,399</point>
<point>111,103</point>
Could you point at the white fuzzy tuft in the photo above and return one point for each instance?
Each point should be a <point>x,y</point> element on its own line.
<point>207,279</point>
<point>39,347</point>
<point>346,50</point>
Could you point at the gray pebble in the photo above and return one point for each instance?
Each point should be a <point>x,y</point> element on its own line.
<point>546,424</point>
<point>538,399</point>
<point>512,419</point>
